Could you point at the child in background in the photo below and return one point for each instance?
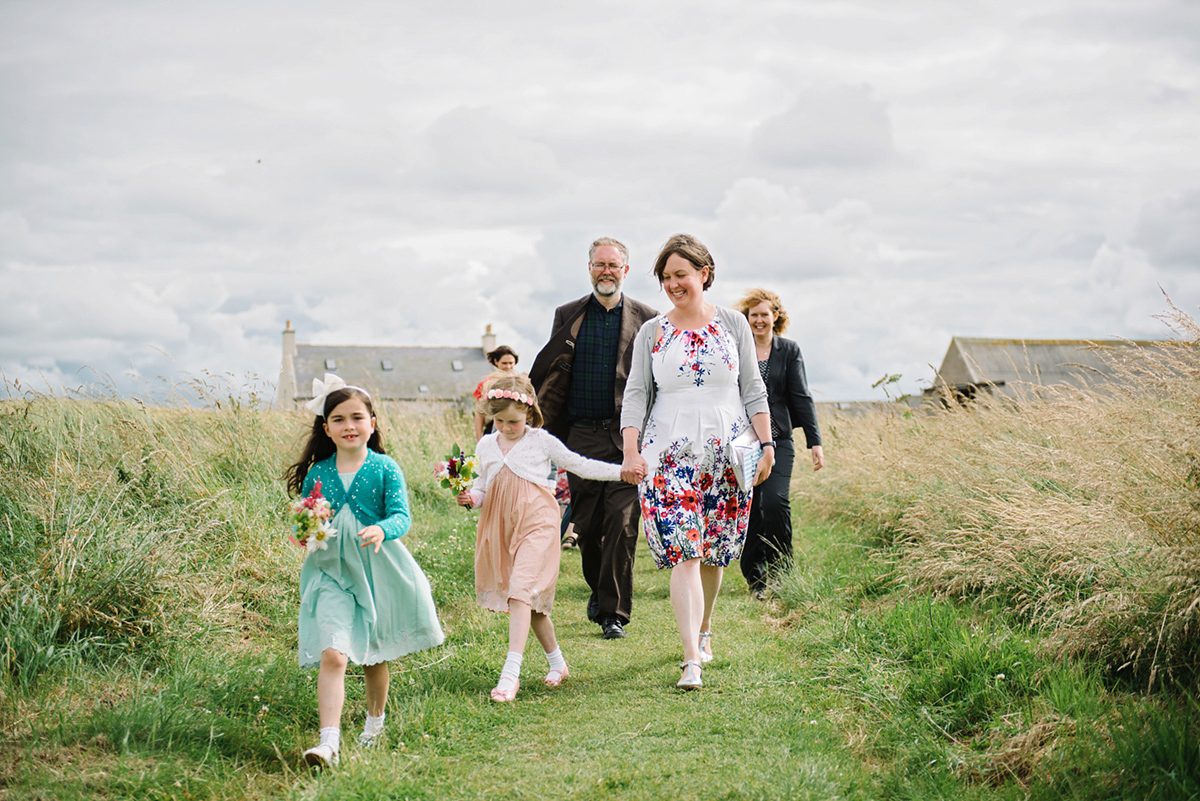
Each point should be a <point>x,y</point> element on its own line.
<point>363,599</point>
<point>517,547</point>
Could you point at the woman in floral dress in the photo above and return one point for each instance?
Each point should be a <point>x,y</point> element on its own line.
<point>693,387</point>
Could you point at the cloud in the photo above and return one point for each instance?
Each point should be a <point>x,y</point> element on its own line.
<point>474,150</point>
<point>1169,230</point>
<point>844,127</point>
<point>772,230</point>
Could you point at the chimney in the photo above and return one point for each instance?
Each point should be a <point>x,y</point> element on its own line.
<point>489,340</point>
<point>285,391</point>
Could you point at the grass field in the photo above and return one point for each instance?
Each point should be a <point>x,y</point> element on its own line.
<point>148,597</point>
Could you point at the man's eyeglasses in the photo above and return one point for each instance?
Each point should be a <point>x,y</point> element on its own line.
<point>607,267</point>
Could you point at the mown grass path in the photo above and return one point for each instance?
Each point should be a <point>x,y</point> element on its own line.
<point>618,727</point>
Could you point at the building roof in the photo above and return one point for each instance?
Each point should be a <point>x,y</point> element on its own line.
<point>1004,364</point>
<point>393,372</point>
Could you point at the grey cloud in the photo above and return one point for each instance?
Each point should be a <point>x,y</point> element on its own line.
<point>473,150</point>
<point>1169,230</point>
<point>839,127</point>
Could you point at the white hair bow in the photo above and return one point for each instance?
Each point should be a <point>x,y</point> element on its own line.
<point>321,390</point>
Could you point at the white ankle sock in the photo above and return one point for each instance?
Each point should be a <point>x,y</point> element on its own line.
<point>556,660</point>
<point>332,737</point>
<point>512,667</point>
<point>374,724</point>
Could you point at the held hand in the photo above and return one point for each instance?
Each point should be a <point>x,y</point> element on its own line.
<point>764,465</point>
<point>818,457</point>
<point>633,469</point>
<point>464,499</point>
<point>371,535</point>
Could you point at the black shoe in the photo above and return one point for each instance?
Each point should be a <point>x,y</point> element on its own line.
<point>613,628</point>
<point>593,609</point>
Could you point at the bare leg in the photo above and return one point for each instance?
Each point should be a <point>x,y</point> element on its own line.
<point>543,629</point>
<point>687,601</point>
<point>377,679</point>
<point>519,615</point>
<point>331,688</point>
<point>710,578</point>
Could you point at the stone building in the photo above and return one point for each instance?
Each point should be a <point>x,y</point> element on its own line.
<point>425,377</point>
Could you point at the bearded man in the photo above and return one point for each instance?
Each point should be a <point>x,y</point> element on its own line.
<point>580,377</point>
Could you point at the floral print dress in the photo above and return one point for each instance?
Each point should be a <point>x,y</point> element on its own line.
<point>691,504</point>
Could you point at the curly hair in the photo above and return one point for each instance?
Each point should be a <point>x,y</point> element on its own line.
<point>510,389</point>
<point>688,247</point>
<point>755,296</point>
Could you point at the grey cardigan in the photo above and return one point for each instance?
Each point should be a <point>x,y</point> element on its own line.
<point>639,389</point>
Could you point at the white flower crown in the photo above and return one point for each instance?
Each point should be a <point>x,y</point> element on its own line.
<point>508,394</point>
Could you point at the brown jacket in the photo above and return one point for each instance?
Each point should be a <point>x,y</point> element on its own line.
<point>551,371</point>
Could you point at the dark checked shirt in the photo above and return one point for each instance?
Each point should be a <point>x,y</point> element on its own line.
<point>594,368</point>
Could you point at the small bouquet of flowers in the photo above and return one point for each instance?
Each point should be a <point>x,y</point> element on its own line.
<point>310,517</point>
<point>457,471</point>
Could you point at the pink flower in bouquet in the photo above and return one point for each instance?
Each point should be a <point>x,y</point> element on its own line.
<point>310,521</point>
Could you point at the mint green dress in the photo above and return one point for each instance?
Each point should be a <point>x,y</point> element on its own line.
<point>372,607</point>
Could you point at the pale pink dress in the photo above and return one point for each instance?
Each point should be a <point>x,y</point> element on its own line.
<point>517,550</point>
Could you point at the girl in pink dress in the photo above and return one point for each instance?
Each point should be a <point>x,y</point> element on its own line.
<point>516,546</point>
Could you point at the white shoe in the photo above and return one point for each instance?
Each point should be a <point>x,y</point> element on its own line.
<point>370,740</point>
<point>321,756</point>
<point>690,680</point>
<point>706,647</point>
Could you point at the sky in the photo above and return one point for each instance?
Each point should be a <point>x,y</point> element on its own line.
<point>179,180</point>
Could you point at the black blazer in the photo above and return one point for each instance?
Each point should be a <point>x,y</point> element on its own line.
<point>633,314</point>
<point>787,392</point>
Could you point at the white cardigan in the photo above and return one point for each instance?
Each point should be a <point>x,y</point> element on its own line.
<point>530,458</point>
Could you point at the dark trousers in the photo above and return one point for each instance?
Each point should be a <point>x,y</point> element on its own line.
<point>769,533</point>
<point>605,514</point>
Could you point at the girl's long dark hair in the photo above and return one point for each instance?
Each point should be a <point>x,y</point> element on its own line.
<point>320,446</point>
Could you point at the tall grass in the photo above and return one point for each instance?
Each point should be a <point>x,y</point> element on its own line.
<point>1078,510</point>
<point>127,530</point>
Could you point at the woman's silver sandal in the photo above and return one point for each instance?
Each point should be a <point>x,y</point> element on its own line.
<point>690,680</point>
<point>706,647</point>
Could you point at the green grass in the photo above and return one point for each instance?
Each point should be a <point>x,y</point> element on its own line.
<point>149,599</point>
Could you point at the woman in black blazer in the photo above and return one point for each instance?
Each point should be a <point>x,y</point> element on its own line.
<point>769,535</point>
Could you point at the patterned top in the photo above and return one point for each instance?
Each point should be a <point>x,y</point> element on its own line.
<point>764,369</point>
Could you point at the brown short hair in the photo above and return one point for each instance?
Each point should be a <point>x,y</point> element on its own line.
<point>516,384</point>
<point>493,356</point>
<point>690,248</point>
<point>755,296</point>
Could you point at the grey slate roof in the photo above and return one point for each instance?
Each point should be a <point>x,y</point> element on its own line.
<point>417,373</point>
<point>1006,363</point>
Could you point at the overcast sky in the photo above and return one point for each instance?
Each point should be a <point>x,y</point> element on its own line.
<point>177,179</point>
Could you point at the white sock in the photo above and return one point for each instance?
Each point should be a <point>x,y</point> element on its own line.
<point>512,667</point>
<point>332,737</point>
<point>374,724</point>
<point>556,660</point>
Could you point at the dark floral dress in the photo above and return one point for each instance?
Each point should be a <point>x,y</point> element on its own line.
<point>691,504</point>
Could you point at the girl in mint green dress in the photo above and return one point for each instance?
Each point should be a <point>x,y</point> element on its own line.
<point>363,598</point>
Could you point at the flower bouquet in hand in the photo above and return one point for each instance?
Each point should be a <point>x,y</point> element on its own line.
<point>310,517</point>
<point>457,472</point>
